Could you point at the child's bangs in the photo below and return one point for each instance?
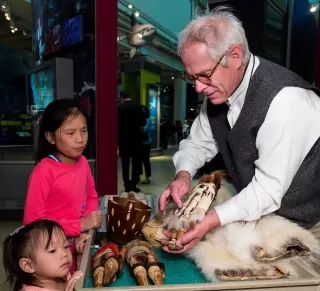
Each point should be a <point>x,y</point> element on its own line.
<point>42,237</point>
<point>72,113</point>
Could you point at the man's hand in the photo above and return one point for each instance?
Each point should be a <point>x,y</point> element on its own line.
<point>175,191</point>
<point>92,220</point>
<point>192,237</point>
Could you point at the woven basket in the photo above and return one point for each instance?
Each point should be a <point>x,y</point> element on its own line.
<point>126,218</point>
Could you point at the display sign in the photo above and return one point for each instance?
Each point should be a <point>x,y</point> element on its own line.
<point>153,110</point>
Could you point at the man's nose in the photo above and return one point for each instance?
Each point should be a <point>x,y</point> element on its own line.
<point>200,86</point>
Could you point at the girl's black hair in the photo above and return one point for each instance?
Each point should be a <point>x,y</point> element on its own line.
<point>53,117</point>
<point>146,111</point>
<point>23,244</point>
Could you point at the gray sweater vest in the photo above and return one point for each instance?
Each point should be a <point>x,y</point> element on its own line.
<point>301,203</point>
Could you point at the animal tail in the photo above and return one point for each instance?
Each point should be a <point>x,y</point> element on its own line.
<point>215,177</point>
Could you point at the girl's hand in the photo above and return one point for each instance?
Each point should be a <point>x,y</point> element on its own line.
<point>92,220</point>
<point>80,242</point>
<point>72,281</point>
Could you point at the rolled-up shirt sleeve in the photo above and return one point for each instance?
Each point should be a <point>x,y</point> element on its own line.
<point>200,146</point>
<point>290,130</point>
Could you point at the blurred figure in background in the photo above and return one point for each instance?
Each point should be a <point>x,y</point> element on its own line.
<point>185,129</point>
<point>146,146</point>
<point>131,119</point>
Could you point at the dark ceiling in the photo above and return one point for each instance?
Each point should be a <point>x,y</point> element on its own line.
<point>21,18</point>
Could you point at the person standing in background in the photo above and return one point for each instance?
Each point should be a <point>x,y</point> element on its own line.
<point>146,146</point>
<point>185,129</point>
<point>131,119</point>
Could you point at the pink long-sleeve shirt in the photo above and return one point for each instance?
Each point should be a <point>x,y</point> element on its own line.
<point>61,192</point>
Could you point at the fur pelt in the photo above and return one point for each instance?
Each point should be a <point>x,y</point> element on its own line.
<point>259,249</point>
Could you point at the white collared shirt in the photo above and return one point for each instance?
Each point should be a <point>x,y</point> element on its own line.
<point>290,129</point>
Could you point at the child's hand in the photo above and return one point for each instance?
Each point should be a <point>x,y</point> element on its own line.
<point>72,281</point>
<point>92,220</point>
<point>80,242</point>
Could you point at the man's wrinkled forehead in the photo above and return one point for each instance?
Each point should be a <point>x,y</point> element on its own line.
<point>195,58</point>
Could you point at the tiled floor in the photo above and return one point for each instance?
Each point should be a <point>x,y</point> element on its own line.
<point>162,173</point>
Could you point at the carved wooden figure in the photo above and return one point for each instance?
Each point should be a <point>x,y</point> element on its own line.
<point>105,265</point>
<point>194,208</point>
<point>143,262</point>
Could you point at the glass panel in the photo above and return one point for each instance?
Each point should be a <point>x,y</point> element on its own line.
<point>276,31</point>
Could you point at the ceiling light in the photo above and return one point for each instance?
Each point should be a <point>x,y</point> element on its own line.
<point>130,6</point>
<point>313,8</point>
<point>172,78</point>
<point>137,14</point>
<point>8,18</point>
<point>3,6</point>
<point>16,29</point>
<point>13,31</point>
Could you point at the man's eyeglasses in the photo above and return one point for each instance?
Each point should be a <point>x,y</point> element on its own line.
<point>202,77</point>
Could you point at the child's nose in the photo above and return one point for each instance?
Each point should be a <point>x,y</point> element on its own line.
<point>79,137</point>
<point>64,253</point>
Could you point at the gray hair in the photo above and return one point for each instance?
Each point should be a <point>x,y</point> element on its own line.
<point>219,30</point>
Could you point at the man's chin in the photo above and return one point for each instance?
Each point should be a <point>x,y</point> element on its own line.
<point>216,98</point>
<point>216,101</point>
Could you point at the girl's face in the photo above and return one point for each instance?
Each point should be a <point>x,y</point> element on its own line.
<point>55,261</point>
<point>70,139</point>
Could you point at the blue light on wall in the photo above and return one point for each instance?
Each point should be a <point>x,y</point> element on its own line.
<point>153,110</point>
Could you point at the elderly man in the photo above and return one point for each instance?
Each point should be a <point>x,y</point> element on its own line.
<point>262,118</point>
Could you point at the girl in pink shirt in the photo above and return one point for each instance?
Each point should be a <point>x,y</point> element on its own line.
<point>36,257</point>
<point>61,186</point>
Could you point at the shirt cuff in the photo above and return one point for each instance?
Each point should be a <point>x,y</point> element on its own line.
<point>186,166</point>
<point>228,212</point>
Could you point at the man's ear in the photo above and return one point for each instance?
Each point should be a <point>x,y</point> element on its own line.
<point>235,56</point>
<point>26,265</point>
<point>49,137</point>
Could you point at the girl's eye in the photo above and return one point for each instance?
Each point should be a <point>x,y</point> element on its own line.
<point>66,247</point>
<point>52,251</point>
<point>70,133</point>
